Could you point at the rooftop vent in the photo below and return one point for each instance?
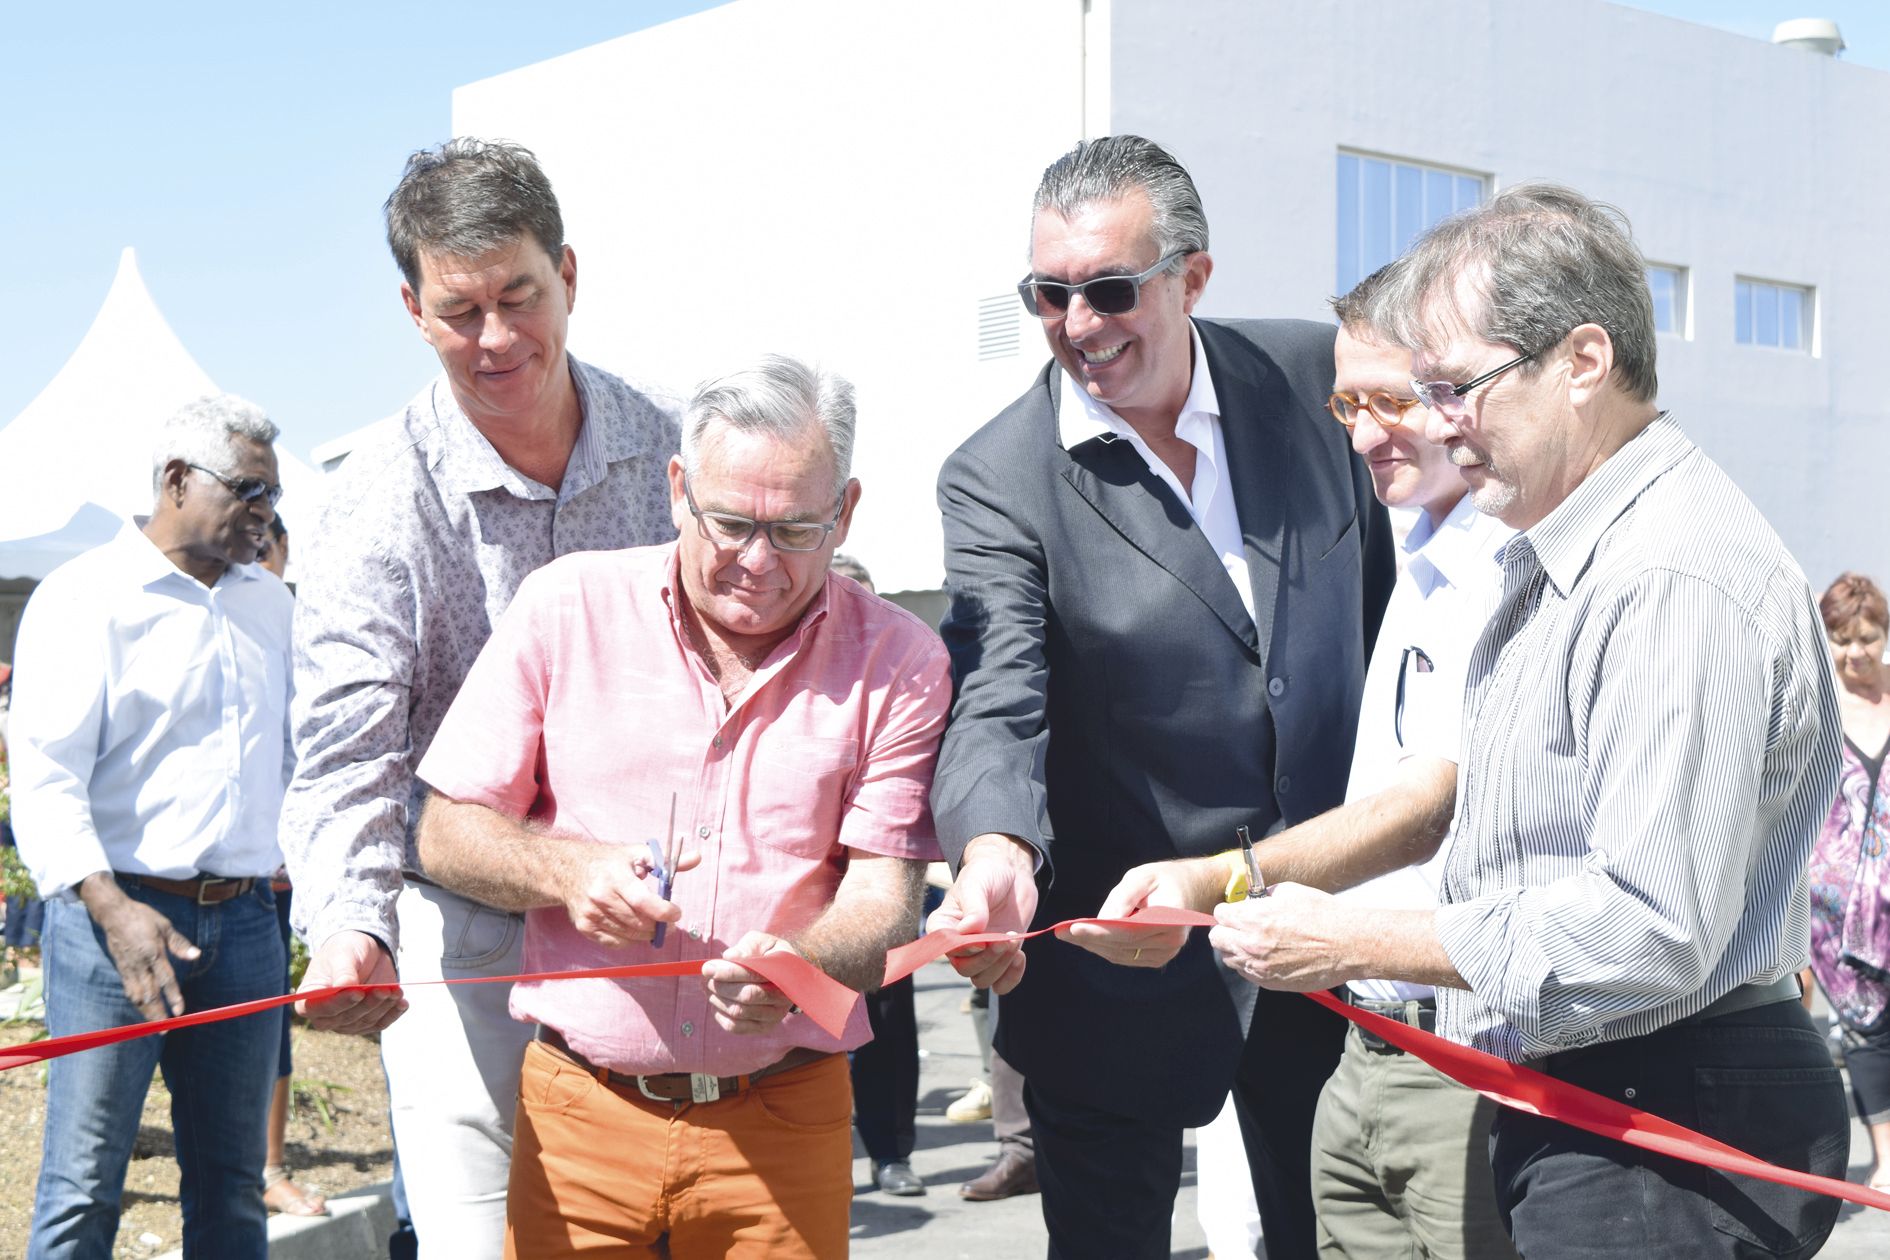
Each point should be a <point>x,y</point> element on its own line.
<point>1818,35</point>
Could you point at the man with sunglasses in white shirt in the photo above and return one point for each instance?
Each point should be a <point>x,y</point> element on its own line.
<point>149,744</point>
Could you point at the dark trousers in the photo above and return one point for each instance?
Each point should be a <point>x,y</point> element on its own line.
<point>1759,1080</point>
<point>1109,1180</point>
<point>886,1075</point>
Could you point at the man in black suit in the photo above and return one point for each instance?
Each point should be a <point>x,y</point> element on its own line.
<point>1165,569</point>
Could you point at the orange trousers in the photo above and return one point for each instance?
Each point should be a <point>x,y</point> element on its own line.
<point>598,1170</point>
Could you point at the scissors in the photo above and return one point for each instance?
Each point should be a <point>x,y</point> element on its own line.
<point>664,868</point>
<point>1256,882</point>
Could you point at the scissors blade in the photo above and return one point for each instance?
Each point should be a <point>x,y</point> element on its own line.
<point>1256,882</point>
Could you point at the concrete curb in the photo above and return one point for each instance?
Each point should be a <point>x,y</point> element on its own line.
<point>356,1229</point>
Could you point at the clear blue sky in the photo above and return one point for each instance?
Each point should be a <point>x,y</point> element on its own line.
<point>245,148</point>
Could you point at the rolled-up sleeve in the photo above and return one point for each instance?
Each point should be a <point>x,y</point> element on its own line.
<point>887,810</point>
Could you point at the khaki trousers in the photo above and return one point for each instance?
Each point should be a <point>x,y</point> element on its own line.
<point>1401,1162</point>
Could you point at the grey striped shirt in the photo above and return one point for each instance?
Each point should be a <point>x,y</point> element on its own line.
<point>1651,739</point>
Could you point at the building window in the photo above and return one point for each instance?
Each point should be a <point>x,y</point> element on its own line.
<point>1767,314</point>
<point>999,327</point>
<point>1669,287</point>
<point>1384,204</point>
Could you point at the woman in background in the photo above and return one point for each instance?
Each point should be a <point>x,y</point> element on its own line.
<point>1850,868</point>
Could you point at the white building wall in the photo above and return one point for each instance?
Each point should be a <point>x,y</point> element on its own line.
<point>1731,157</point>
<point>842,179</point>
<point>847,178</point>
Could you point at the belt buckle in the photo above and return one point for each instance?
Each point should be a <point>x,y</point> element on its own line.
<point>702,1088</point>
<point>206,883</point>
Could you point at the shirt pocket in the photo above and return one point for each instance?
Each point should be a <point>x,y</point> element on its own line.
<point>797,787</point>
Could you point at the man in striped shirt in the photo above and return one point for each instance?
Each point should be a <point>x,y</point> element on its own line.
<point>1650,740</point>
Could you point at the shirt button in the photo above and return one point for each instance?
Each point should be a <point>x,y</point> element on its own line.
<point>688,1029</point>
<point>702,832</point>
<point>694,935</point>
<point>1276,687</point>
<point>717,741</point>
<point>1286,784</point>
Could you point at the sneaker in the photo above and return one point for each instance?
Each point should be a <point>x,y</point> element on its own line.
<point>971,1106</point>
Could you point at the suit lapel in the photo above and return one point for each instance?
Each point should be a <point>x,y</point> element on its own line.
<point>1114,480</point>
<point>1259,464</point>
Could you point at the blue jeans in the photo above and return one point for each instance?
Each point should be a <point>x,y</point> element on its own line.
<point>220,1077</point>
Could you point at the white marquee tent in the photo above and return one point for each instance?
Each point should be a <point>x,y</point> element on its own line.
<point>77,462</point>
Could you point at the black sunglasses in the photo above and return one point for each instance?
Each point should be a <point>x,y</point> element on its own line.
<point>1405,662</point>
<point>1106,295</point>
<point>248,489</point>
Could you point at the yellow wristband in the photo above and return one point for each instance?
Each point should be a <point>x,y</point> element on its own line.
<point>1238,880</point>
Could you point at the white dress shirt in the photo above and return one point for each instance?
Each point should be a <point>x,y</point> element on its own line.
<point>150,719</point>
<point>1448,584</point>
<point>1210,501</point>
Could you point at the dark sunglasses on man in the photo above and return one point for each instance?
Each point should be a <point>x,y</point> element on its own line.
<point>1106,295</point>
<point>248,489</point>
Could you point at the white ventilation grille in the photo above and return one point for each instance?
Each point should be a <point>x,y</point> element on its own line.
<point>1000,321</point>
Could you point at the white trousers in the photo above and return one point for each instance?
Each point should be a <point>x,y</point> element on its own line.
<point>453,1069</point>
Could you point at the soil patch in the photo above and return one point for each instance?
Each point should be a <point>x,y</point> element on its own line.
<point>337,1138</point>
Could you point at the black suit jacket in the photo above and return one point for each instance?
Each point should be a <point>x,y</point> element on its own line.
<point>1116,704</point>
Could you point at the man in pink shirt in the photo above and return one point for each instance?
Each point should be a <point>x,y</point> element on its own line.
<point>792,719</point>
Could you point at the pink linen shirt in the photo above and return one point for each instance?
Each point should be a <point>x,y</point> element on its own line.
<point>589,708</point>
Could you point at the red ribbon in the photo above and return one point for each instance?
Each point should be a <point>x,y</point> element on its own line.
<point>828,1003</point>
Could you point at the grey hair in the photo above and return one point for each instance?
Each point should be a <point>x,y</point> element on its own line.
<point>1354,308</point>
<point>847,566</point>
<point>778,397</point>
<point>205,431</point>
<point>1111,167</point>
<point>468,197</point>
<point>1543,259</point>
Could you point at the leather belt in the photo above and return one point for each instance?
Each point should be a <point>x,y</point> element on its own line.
<point>1784,989</point>
<point>205,890</point>
<point>1419,1013</point>
<point>682,1087</point>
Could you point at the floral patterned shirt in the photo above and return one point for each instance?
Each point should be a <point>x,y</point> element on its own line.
<point>424,540</point>
<point>1850,895</point>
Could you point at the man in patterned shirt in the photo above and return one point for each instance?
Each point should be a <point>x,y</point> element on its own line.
<point>1650,743</point>
<point>516,454</point>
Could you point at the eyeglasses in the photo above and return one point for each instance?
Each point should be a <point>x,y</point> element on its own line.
<point>1106,295</point>
<point>1386,410</point>
<point>1423,666</point>
<point>725,529</point>
<point>248,489</point>
<point>1447,399</point>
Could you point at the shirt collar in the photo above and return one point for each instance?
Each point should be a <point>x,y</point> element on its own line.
<point>1450,553</point>
<point>1566,538</point>
<point>469,463</point>
<point>811,616</point>
<point>1081,418</point>
<point>143,560</point>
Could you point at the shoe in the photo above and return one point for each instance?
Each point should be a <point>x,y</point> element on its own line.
<point>896,1177</point>
<point>281,1194</point>
<point>971,1106</point>
<point>1014,1173</point>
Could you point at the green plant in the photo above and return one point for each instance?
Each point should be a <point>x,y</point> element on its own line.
<point>298,962</point>
<point>318,1096</point>
<point>18,882</point>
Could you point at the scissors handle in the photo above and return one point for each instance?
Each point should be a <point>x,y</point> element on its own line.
<point>659,867</point>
